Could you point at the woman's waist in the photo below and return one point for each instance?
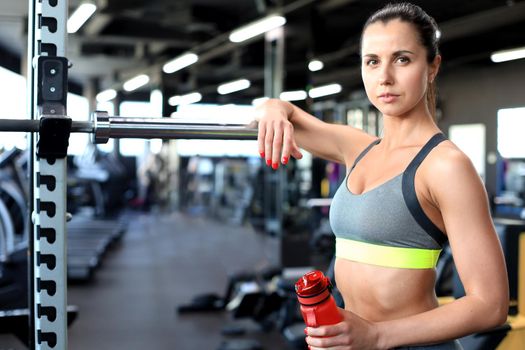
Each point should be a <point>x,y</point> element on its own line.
<point>379,293</point>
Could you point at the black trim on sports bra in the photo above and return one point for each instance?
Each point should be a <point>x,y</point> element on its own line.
<point>363,153</point>
<point>409,191</point>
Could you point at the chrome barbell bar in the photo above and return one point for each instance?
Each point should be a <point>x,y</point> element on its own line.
<point>104,127</point>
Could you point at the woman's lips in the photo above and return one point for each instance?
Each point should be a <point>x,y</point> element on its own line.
<point>388,98</point>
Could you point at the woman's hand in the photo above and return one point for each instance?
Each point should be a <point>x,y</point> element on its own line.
<point>353,333</point>
<point>276,133</point>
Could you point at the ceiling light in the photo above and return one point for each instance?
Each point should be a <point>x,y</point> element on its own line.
<point>233,86</point>
<point>187,99</point>
<point>258,101</point>
<point>156,100</point>
<point>137,82</point>
<point>106,95</point>
<point>315,65</point>
<point>174,100</point>
<point>508,55</point>
<point>296,95</point>
<point>80,16</point>
<point>325,90</point>
<point>180,62</point>
<point>258,27</point>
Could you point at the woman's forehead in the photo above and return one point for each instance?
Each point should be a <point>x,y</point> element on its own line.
<point>393,35</point>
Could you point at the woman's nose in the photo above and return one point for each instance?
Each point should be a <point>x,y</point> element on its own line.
<point>385,75</point>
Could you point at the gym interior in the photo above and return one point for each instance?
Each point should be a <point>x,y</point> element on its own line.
<point>188,240</point>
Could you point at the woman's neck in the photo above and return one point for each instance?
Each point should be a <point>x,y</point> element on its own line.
<point>407,130</point>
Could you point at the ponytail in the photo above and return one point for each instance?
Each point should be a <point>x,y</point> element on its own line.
<point>431,100</point>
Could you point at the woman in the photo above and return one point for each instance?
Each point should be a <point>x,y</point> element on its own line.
<point>405,195</point>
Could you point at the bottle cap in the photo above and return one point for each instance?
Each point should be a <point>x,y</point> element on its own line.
<point>312,283</point>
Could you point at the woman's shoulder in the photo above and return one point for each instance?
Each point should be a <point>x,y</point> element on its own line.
<point>453,184</point>
<point>447,156</point>
<point>447,162</point>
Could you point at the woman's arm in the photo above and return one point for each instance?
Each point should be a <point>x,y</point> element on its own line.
<point>283,128</point>
<point>460,195</point>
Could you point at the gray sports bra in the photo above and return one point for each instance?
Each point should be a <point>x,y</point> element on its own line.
<point>386,225</point>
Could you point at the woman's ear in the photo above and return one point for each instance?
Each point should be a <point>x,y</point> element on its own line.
<point>434,68</point>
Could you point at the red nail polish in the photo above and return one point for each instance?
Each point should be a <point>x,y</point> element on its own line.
<point>275,166</point>
<point>285,160</point>
<point>268,162</point>
<point>262,154</point>
<point>305,331</point>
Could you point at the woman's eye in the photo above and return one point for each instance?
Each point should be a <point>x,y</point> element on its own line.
<point>371,62</point>
<point>403,59</point>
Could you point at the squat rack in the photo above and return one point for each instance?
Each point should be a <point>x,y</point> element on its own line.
<point>47,87</point>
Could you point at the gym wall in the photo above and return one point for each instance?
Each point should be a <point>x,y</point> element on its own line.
<point>474,94</point>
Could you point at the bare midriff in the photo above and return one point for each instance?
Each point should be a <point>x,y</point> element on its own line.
<point>378,293</point>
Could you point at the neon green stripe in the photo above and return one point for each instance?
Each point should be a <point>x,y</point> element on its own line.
<point>403,258</point>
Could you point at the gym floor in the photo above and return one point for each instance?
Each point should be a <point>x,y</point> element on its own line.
<point>163,261</point>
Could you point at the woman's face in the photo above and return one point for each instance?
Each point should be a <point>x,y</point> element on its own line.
<point>394,67</point>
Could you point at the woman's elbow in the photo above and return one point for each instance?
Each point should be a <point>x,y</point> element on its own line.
<point>498,313</point>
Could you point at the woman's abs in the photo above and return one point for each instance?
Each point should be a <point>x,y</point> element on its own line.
<point>378,293</point>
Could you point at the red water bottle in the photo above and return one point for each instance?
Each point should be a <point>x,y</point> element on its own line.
<point>317,303</point>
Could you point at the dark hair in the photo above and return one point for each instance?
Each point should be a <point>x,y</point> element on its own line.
<point>425,26</point>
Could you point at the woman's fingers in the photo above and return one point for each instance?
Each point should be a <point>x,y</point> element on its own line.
<point>296,153</point>
<point>332,337</point>
<point>326,331</point>
<point>337,342</point>
<point>276,143</point>
<point>261,135</point>
<point>288,144</point>
<point>268,143</point>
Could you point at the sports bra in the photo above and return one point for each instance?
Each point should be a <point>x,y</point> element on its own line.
<point>386,225</point>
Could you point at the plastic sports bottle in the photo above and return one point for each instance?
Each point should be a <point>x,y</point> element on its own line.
<point>317,303</point>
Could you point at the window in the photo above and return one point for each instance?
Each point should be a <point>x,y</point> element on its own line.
<point>14,106</point>
<point>134,147</point>
<point>470,138</point>
<point>209,113</point>
<point>511,123</point>
<point>77,109</point>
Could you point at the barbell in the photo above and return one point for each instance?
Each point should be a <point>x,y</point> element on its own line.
<point>103,127</point>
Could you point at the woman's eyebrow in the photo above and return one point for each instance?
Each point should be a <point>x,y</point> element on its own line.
<point>395,54</point>
<point>403,52</point>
